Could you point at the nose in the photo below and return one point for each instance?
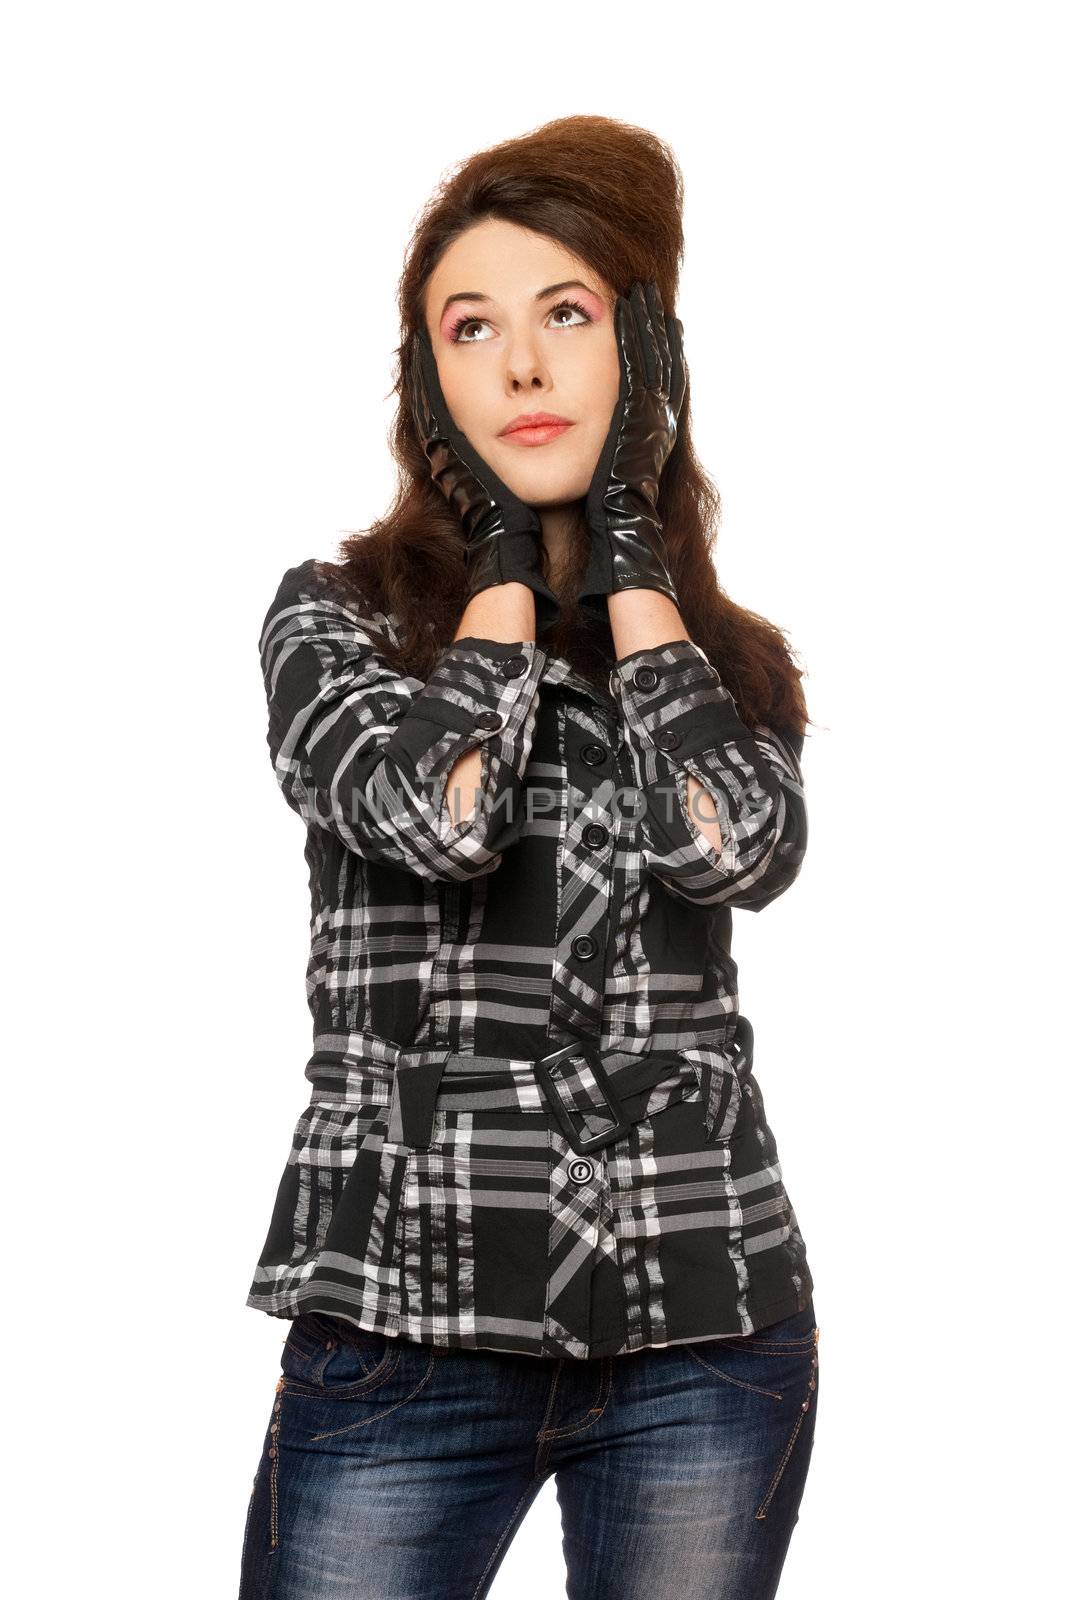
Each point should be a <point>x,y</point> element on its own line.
<point>525,367</point>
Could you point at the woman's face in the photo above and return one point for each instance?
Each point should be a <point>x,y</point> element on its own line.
<point>507,346</point>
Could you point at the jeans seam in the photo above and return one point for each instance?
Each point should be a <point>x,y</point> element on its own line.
<point>595,1412</point>
<point>275,1458</point>
<point>761,1510</point>
<point>524,1500</point>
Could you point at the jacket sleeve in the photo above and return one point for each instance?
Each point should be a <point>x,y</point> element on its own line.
<point>363,751</point>
<point>677,717</point>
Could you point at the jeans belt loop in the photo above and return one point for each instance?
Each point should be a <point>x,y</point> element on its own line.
<point>564,1114</point>
<point>416,1081</point>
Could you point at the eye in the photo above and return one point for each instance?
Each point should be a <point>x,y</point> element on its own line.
<point>570,305</point>
<point>459,328</point>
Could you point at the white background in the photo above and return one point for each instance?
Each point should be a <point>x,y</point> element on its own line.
<point>206,208</point>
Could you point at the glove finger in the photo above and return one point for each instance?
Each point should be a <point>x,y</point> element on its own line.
<point>657,318</point>
<point>631,356</point>
<point>650,361</point>
<point>679,370</point>
<point>431,412</point>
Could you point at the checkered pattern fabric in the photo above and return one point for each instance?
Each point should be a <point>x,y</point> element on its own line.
<point>533,1124</point>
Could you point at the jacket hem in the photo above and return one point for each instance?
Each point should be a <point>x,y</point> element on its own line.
<point>761,1313</point>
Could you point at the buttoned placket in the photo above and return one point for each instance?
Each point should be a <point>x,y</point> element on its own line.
<point>581,1243</point>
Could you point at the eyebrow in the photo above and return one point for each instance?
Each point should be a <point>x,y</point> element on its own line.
<point>542,294</point>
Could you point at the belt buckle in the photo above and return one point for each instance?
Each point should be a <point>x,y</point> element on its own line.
<point>562,1112</point>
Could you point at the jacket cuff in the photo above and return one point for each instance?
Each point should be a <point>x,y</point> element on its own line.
<point>480,690</point>
<point>674,702</point>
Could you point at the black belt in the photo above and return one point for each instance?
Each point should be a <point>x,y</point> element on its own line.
<point>595,1097</point>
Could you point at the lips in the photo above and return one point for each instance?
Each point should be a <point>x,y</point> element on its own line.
<point>536,427</point>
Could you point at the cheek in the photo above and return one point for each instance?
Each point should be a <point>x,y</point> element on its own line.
<point>602,393</point>
<point>589,441</point>
<point>454,391</point>
<point>602,384</point>
<point>464,392</point>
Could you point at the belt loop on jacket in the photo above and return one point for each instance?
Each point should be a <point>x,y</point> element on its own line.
<point>743,1041</point>
<point>416,1080</point>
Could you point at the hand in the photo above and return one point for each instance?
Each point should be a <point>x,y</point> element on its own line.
<point>627,549</point>
<point>503,534</point>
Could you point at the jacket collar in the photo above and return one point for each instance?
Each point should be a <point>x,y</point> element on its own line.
<point>559,672</point>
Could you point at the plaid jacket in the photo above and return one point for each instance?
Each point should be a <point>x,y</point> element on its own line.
<point>533,1122</point>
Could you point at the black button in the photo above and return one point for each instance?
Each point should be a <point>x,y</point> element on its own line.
<point>593,754</point>
<point>515,666</point>
<point>595,835</point>
<point>646,678</point>
<point>584,946</point>
<point>488,719</point>
<point>580,1170</point>
<point>668,739</point>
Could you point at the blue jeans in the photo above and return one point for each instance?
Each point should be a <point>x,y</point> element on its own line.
<point>393,1470</point>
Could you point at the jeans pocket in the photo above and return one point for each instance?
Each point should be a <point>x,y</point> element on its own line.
<point>778,1368</point>
<point>331,1356</point>
<point>335,1383</point>
<point>797,1332</point>
<point>805,1354</point>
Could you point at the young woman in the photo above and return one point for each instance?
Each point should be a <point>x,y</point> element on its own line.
<point>533,1221</point>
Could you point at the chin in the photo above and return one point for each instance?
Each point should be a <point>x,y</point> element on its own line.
<point>549,489</point>
<point>541,482</point>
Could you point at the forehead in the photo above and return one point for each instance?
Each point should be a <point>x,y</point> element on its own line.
<point>507,263</point>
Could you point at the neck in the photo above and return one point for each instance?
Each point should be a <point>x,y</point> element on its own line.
<point>560,527</point>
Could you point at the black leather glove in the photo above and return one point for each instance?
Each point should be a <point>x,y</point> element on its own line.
<point>626,536</point>
<point>503,534</point>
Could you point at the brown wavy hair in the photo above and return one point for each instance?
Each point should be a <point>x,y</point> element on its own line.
<point>611,193</point>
